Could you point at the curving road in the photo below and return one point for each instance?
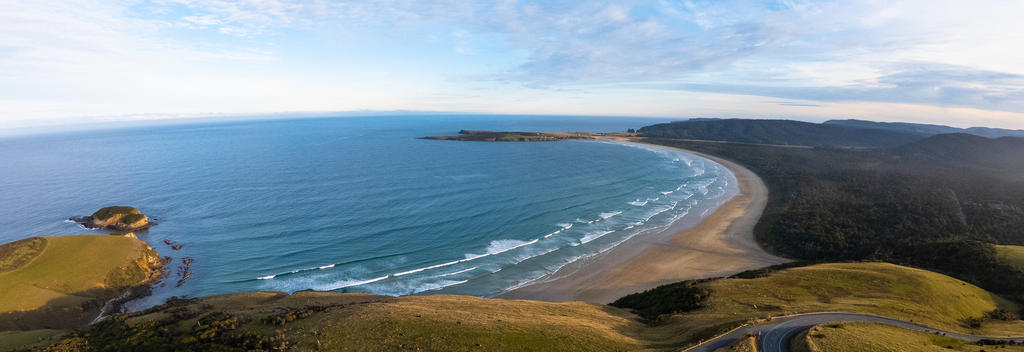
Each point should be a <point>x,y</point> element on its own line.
<point>775,335</point>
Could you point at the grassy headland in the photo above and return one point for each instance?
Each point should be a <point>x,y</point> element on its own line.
<point>61,282</point>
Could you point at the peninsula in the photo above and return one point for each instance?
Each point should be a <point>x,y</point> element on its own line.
<point>492,136</point>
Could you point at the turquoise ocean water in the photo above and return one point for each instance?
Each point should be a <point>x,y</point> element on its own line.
<point>358,204</point>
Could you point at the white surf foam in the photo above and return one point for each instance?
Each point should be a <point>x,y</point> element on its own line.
<point>498,247</point>
<point>458,272</point>
<point>638,203</point>
<point>326,266</point>
<point>426,268</point>
<point>438,285</point>
<point>268,277</point>
<point>609,215</point>
<point>593,236</point>
<point>349,283</point>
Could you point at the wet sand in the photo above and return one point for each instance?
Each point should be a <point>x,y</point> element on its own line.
<point>691,248</point>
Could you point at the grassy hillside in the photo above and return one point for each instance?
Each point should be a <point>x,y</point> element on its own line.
<point>870,337</point>
<point>784,132</point>
<point>63,281</point>
<point>332,321</point>
<point>831,204</point>
<point>352,322</point>
<point>1012,255</point>
<point>876,288</point>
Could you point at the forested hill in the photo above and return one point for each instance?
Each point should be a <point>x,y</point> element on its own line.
<point>928,130</point>
<point>966,150</point>
<point>780,132</point>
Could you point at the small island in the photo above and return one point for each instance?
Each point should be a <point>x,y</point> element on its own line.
<point>493,136</point>
<point>116,218</point>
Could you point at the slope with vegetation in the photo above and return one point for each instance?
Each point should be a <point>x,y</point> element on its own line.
<point>333,321</point>
<point>779,132</point>
<point>925,208</point>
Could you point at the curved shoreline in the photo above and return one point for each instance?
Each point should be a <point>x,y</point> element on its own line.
<point>718,245</point>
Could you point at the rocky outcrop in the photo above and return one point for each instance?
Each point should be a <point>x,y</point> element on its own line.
<point>116,218</point>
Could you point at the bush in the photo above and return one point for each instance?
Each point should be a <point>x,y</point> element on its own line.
<point>674,298</point>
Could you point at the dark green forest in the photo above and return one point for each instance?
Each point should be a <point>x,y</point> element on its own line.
<point>939,203</point>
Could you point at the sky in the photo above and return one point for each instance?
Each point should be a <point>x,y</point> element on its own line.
<point>958,63</point>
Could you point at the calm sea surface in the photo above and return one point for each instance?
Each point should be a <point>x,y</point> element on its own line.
<point>358,204</point>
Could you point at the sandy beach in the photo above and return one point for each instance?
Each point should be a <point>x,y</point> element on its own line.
<point>720,244</point>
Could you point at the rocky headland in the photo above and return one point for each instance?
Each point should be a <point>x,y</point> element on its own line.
<point>116,218</point>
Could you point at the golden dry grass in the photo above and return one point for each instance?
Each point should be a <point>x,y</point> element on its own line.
<point>871,337</point>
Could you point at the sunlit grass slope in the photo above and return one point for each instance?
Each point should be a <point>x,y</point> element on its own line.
<point>871,337</point>
<point>69,267</point>
<point>877,288</point>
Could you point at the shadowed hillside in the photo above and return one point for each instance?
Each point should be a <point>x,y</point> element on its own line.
<point>927,129</point>
<point>966,150</point>
<point>780,132</point>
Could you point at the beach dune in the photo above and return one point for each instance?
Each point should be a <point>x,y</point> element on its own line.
<point>721,244</point>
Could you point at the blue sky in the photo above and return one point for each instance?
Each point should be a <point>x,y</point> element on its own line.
<point>950,62</point>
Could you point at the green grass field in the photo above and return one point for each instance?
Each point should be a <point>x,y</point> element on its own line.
<point>67,278</point>
<point>870,337</point>
<point>69,266</point>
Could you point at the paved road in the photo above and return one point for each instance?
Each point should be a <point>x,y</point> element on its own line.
<point>775,335</point>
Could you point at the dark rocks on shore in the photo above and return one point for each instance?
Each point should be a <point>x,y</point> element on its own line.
<point>184,270</point>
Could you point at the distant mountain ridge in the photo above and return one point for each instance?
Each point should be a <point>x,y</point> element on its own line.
<point>781,132</point>
<point>928,129</point>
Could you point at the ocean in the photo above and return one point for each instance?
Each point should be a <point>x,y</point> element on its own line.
<point>358,204</point>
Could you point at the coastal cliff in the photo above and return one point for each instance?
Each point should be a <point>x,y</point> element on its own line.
<point>116,218</point>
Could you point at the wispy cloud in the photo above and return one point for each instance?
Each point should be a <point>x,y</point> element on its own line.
<point>122,57</point>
